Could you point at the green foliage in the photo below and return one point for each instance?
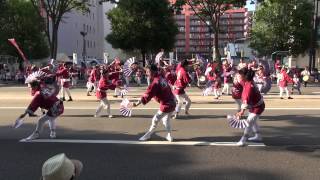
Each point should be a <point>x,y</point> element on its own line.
<point>282,25</point>
<point>144,25</point>
<point>20,21</point>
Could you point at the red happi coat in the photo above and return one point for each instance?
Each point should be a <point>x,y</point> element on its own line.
<point>171,77</point>
<point>51,103</point>
<point>284,79</point>
<point>214,77</point>
<point>277,66</point>
<point>160,90</point>
<point>237,89</point>
<point>227,74</point>
<point>93,75</point>
<point>103,86</point>
<point>198,72</point>
<point>251,98</point>
<point>114,74</point>
<point>183,79</point>
<point>64,77</point>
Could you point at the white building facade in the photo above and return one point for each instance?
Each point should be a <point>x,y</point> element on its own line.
<point>96,26</point>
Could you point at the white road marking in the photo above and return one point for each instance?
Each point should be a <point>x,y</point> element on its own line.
<point>195,108</point>
<point>177,143</point>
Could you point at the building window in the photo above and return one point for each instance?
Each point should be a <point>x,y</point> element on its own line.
<point>84,27</point>
<point>94,44</point>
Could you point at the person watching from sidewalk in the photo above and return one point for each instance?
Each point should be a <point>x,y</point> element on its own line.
<point>305,73</point>
<point>60,167</point>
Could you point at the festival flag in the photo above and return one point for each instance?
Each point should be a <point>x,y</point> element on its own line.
<point>14,43</point>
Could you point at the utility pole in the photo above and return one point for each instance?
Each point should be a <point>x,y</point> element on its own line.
<point>312,51</point>
<point>84,49</point>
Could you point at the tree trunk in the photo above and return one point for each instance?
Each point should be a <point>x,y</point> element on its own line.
<point>216,47</point>
<point>54,41</point>
<point>143,58</point>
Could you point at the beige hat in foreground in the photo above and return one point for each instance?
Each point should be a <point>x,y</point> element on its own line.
<point>60,167</point>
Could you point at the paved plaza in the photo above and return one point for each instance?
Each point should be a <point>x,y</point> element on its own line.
<point>203,147</point>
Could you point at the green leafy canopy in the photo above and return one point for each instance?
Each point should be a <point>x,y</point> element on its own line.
<point>20,21</point>
<point>282,25</point>
<point>144,25</point>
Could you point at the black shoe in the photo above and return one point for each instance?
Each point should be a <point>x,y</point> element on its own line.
<point>115,96</point>
<point>63,99</point>
<point>33,115</point>
<point>281,98</point>
<point>290,98</point>
<point>70,99</point>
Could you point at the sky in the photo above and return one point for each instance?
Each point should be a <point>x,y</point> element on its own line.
<point>250,7</point>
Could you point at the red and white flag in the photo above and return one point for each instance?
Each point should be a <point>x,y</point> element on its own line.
<point>14,43</point>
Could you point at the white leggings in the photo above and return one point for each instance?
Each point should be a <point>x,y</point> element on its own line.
<point>63,90</point>
<point>43,119</point>
<point>104,103</point>
<point>284,89</point>
<point>253,125</point>
<point>181,98</point>
<point>216,92</point>
<point>90,85</point>
<point>116,91</point>
<point>226,87</point>
<point>165,117</point>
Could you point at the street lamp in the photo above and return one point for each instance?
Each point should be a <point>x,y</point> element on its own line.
<point>312,52</point>
<point>84,50</point>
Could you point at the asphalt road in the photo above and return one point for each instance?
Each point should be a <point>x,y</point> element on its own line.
<point>290,129</point>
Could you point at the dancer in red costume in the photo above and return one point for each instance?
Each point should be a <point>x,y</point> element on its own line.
<point>45,98</point>
<point>161,92</point>
<point>64,75</point>
<point>92,80</point>
<point>253,101</point>
<point>101,94</point>
<point>114,74</point>
<point>284,79</point>
<point>180,85</point>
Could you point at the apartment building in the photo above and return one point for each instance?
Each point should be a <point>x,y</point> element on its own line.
<point>195,37</point>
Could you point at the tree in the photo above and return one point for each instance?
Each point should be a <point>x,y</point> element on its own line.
<point>53,12</point>
<point>211,11</point>
<point>143,25</point>
<point>19,20</point>
<point>282,25</point>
